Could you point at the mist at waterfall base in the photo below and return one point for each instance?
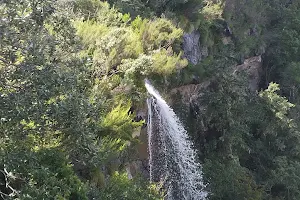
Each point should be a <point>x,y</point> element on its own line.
<point>171,157</point>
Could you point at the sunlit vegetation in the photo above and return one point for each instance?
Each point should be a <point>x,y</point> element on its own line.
<point>71,72</point>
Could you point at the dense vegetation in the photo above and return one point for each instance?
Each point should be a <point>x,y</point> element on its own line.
<point>71,73</point>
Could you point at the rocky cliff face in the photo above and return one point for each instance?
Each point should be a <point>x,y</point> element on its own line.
<point>253,67</point>
<point>191,47</point>
<point>138,164</point>
<point>190,93</point>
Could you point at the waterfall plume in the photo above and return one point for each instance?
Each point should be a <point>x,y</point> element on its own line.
<point>172,159</point>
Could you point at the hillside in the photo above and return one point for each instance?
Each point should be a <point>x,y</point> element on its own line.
<point>73,112</point>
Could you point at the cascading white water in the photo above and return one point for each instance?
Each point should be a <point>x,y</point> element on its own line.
<point>171,157</point>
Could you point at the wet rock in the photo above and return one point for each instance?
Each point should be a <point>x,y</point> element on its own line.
<point>137,168</point>
<point>139,165</point>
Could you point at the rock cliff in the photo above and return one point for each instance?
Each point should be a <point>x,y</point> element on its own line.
<point>191,47</point>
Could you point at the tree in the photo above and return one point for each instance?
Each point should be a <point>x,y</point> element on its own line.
<point>59,132</point>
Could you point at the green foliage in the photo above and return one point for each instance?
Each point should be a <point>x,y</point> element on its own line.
<point>249,145</point>
<point>47,173</point>
<point>60,127</point>
<point>160,33</point>
<point>152,7</point>
<point>71,73</point>
<point>120,187</point>
<point>164,64</point>
<point>130,51</point>
<point>134,7</point>
<point>212,10</point>
<point>283,48</point>
<point>228,180</point>
<point>279,105</point>
<point>118,121</point>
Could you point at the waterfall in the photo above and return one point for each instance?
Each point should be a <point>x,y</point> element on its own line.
<point>171,156</point>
